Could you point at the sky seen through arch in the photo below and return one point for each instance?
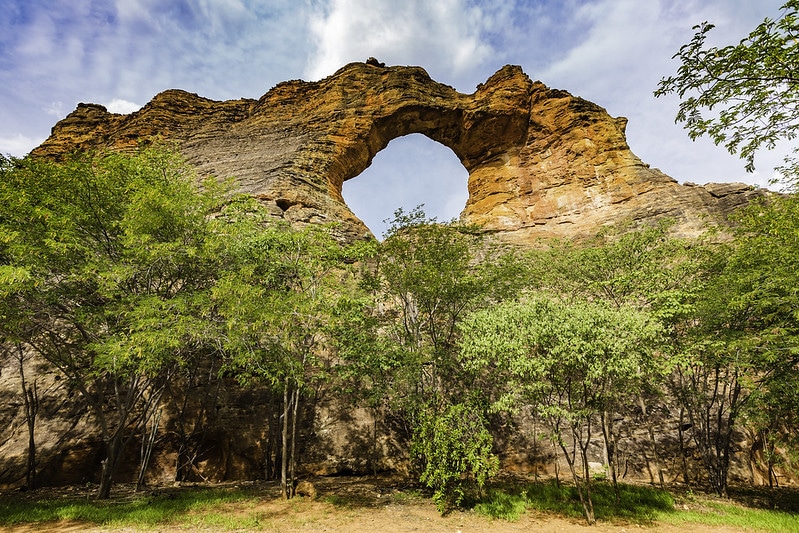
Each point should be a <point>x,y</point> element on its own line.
<point>412,170</point>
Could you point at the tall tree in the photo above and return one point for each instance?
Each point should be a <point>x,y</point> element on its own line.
<point>642,268</point>
<point>108,260</point>
<point>569,361</point>
<point>745,97</point>
<point>276,303</point>
<point>425,278</point>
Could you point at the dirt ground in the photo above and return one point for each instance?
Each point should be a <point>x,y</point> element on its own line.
<point>368,505</point>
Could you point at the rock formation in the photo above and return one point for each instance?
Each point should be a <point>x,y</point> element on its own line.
<point>541,162</point>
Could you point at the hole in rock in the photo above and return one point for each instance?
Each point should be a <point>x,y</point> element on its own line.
<point>410,171</point>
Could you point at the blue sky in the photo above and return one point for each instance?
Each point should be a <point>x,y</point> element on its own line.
<point>120,53</point>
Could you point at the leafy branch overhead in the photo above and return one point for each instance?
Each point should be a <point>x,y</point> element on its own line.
<point>742,96</point>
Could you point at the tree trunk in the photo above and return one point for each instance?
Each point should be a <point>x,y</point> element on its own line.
<point>30,399</point>
<point>113,450</point>
<point>652,440</point>
<point>148,442</point>
<point>587,511</point>
<point>609,437</point>
<point>284,442</point>
<point>681,435</point>
<point>293,459</point>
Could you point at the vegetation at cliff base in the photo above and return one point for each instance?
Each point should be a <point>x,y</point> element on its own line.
<point>247,508</point>
<point>139,283</point>
<point>147,290</point>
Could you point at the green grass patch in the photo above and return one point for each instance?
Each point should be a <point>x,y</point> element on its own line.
<point>636,504</point>
<point>236,508</point>
<point>646,505</point>
<point>145,510</point>
<point>709,512</point>
<point>502,505</point>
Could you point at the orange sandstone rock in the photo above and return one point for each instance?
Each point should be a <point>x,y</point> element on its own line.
<point>542,163</point>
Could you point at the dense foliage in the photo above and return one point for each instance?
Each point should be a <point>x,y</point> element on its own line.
<point>128,274</point>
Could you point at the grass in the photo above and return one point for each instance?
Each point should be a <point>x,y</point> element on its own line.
<point>238,509</point>
<point>140,511</point>
<point>646,505</point>
<point>637,503</point>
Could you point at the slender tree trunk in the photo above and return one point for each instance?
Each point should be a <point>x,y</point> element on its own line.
<point>583,445</point>
<point>570,460</point>
<point>148,442</point>
<point>293,461</point>
<point>681,435</point>
<point>284,442</point>
<point>376,414</point>
<point>113,449</point>
<point>535,449</point>
<point>609,437</point>
<point>652,440</point>
<point>30,398</point>
<point>31,408</point>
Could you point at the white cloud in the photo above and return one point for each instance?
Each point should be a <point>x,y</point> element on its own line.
<point>117,105</point>
<point>18,145</point>
<point>627,48</point>
<point>612,52</point>
<point>443,36</point>
<point>55,109</point>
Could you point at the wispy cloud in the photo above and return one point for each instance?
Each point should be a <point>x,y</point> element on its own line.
<point>445,36</point>
<point>18,145</point>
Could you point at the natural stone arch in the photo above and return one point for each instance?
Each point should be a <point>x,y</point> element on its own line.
<point>541,162</point>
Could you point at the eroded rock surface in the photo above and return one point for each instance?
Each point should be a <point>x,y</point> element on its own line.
<point>541,162</point>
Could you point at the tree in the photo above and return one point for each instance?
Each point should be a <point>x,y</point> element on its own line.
<point>425,278</point>
<point>275,301</point>
<point>642,268</point>
<point>569,361</point>
<point>456,449</point>
<point>739,345</point>
<point>107,263</point>
<point>743,96</point>
<point>759,317</point>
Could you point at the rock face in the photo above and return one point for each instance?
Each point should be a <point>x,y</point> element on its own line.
<point>541,162</point>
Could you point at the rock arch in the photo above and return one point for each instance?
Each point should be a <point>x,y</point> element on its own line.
<point>412,170</point>
<point>541,162</point>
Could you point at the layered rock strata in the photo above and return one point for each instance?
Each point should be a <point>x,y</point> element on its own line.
<point>541,162</point>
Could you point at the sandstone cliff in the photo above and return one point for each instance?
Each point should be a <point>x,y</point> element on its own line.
<point>541,162</point>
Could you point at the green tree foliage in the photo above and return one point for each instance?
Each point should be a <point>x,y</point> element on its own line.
<point>749,324</point>
<point>455,448</point>
<point>646,268</point>
<point>642,268</point>
<point>743,96</point>
<point>424,278</point>
<point>569,361</point>
<point>106,266</point>
<point>741,355</point>
<point>277,305</point>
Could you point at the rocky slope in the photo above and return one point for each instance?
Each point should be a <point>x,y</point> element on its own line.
<point>541,162</point>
